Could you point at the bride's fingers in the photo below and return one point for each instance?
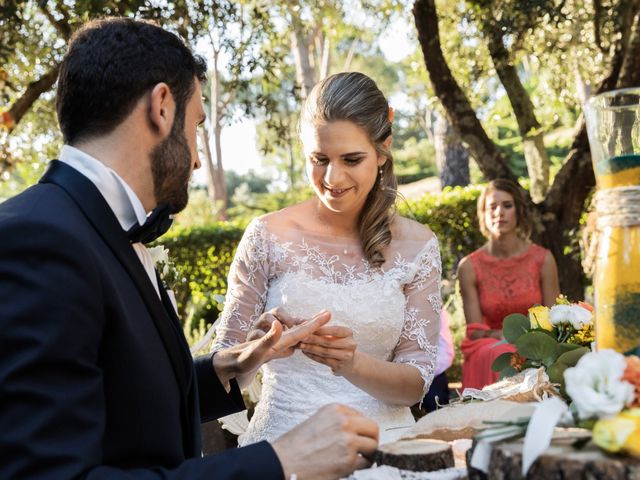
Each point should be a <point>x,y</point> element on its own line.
<point>296,334</point>
<point>335,331</point>
<point>329,342</point>
<point>340,355</point>
<point>329,362</point>
<point>285,318</point>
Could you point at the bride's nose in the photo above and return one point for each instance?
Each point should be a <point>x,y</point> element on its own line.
<point>333,174</point>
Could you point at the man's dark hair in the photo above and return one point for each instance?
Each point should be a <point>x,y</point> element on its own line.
<point>110,64</point>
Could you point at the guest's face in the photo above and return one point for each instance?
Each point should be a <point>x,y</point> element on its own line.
<point>342,164</point>
<point>500,213</point>
<point>173,160</point>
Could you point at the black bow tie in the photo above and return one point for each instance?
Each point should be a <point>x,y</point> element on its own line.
<point>155,226</point>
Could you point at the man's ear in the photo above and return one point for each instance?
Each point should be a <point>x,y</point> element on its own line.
<point>162,109</point>
<point>387,145</point>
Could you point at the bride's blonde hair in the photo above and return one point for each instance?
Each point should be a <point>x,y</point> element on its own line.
<point>354,97</point>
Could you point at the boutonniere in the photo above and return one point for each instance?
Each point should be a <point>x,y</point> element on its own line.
<point>165,266</point>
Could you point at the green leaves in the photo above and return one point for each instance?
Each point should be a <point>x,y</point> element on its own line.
<point>514,326</point>
<point>535,347</point>
<point>538,347</point>
<point>502,361</point>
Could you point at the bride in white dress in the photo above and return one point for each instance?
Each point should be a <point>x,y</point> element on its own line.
<point>347,252</point>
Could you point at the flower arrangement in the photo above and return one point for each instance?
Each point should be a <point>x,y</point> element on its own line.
<point>601,389</point>
<point>554,338</point>
<point>604,387</point>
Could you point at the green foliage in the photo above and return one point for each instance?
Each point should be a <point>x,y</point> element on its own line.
<point>452,217</point>
<point>513,326</point>
<point>414,161</point>
<point>202,256</point>
<point>538,347</point>
<point>540,343</point>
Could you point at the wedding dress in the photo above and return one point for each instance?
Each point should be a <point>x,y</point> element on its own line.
<point>393,312</point>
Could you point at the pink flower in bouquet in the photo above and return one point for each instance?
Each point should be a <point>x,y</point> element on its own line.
<point>632,375</point>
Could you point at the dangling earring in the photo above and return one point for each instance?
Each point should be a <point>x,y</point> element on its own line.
<point>381,174</point>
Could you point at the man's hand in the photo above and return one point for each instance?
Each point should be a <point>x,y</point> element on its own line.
<point>247,357</point>
<point>331,444</point>
<point>333,346</point>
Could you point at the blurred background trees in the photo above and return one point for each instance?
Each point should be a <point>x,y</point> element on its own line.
<point>480,89</point>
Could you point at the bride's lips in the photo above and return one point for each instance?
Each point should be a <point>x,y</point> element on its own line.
<point>336,192</point>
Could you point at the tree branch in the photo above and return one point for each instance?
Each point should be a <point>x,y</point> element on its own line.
<point>453,99</point>
<point>530,130</point>
<point>31,94</point>
<point>62,26</point>
<point>564,200</point>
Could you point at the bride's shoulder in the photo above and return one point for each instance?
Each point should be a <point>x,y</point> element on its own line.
<point>287,219</point>
<point>406,230</point>
<point>412,241</point>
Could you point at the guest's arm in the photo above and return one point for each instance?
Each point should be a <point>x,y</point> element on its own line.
<point>471,300</point>
<point>549,283</point>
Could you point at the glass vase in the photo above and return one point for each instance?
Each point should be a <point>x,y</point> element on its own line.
<point>613,127</point>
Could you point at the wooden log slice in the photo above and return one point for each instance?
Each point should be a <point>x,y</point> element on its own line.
<point>418,455</point>
<point>560,461</point>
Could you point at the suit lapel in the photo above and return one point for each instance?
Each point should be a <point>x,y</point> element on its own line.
<point>99,214</point>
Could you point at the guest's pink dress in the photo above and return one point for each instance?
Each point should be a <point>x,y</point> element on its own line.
<point>505,286</point>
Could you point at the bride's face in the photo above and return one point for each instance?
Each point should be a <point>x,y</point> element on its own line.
<point>341,163</point>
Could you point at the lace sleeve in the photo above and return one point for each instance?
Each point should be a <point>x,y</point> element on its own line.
<point>246,287</point>
<point>419,338</point>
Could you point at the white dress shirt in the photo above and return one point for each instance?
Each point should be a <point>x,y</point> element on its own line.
<point>123,201</point>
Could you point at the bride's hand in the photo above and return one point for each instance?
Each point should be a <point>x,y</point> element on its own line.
<point>333,346</point>
<point>247,357</point>
<point>263,326</point>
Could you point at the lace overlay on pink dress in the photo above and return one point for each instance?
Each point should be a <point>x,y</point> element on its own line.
<point>393,312</point>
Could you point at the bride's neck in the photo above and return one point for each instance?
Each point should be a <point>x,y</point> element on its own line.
<point>336,223</point>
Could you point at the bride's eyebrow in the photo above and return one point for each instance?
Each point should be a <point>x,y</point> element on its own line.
<point>350,154</point>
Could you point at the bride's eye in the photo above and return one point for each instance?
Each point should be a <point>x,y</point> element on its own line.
<point>319,161</point>
<point>352,161</point>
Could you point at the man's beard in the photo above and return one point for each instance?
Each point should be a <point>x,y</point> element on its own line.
<point>171,170</point>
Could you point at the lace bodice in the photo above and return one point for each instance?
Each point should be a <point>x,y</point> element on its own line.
<point>393,312</point>
<point>508,285</point>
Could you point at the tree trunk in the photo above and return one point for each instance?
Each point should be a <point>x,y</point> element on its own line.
<point>220,191</point>
<point>453,99</point>
<point>535,153</point>
<point>452,158</point>
<point>558,216</point>
<point>305,72</point>
<point>218,181</point>
<point>211,187</point>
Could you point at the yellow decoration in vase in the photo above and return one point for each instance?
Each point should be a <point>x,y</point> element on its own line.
<point>613,125</point>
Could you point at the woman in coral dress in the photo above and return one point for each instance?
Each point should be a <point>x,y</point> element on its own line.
<point>509,274</point>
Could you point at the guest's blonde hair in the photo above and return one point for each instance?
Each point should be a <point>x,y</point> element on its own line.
<point>522,210</point>
<point>354,97</point>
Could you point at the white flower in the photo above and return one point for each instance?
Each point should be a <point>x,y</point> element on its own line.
<point>159,254</point>
<point>595,384</point>
<point>576,315</point>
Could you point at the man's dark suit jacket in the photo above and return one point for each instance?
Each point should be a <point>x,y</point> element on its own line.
<point>96,379</point>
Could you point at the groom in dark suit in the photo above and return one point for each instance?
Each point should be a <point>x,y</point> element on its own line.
<point>96,378</point>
